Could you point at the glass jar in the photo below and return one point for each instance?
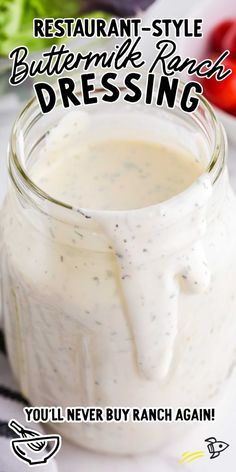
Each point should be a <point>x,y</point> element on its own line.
<point>79,330</point>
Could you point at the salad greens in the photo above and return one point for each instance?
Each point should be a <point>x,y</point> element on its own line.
<point>16,17</point>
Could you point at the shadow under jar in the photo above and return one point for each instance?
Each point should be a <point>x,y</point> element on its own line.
<point>127,308</point>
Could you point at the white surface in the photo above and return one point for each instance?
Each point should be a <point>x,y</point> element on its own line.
<point>71,458</point>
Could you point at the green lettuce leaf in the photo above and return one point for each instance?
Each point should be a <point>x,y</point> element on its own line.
<point>16,17</point>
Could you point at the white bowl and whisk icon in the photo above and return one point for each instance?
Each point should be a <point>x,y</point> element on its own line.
<point>32,447</point>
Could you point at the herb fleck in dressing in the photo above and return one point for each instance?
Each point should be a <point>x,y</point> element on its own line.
<point>130,299</point>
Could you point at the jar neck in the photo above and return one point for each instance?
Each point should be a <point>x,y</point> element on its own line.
<point>199,131</point>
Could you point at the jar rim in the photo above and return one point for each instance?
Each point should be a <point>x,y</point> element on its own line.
<point>27,185</point>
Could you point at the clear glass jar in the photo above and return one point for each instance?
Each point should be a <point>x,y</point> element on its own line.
<point>78,332</point>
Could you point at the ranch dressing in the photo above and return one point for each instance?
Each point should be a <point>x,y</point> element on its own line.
<point>128,298</point>
<point>113,175</point>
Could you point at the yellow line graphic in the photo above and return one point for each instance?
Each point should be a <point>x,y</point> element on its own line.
<point>191,456</point>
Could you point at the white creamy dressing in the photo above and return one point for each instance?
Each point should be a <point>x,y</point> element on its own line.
<point>160,189</point>
<point>130,308</point>
<point>153,272</point>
